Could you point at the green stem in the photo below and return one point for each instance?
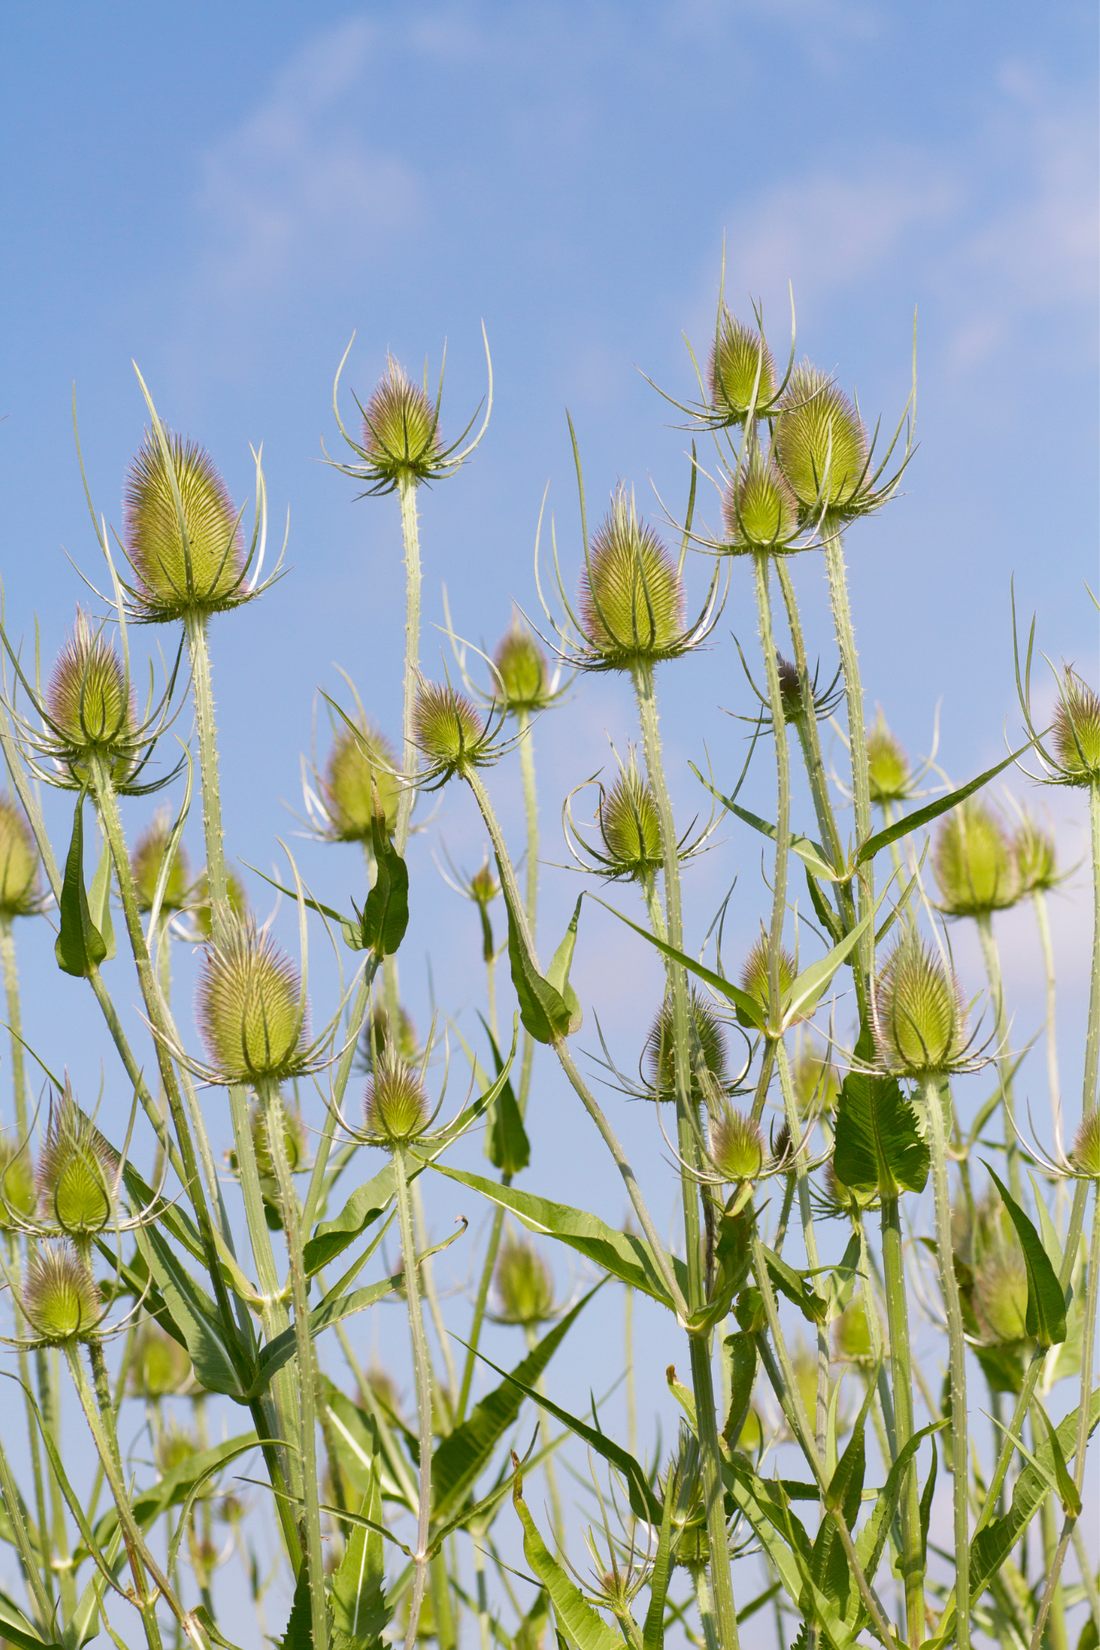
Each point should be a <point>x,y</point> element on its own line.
<point>631,1394</point>
<point>687,1131</point>
<point>857,732</point>
<point>15,1026</point>
<point>1042,922</point>
<point>1092,1041</point>
<point>705,1606</point>
<point>531,814</point>
<point>62,1556</point>
<point>546,1435</point>
<point>897,1319</point>
<point>306,1388</point>
<point>760,562</point>
<point>203,696</point>
<point>428,1276</point>
<point>992,959</point>
<point>809,1235</point>
<point>406,489</point>
<point>422,1370</point>
<point>28,1558</point>
<point>480,1303</point>
<point>937,1139</point>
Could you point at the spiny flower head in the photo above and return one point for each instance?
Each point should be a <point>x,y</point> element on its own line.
<point>361,757</point>
<point>737,1146</point>
<point>920,1020</point>
<point>760,508</point>
<point>524,683</point>
<point>18,862</point>
<point>375,1041</point>
<point>754,976</point>
<point>630,826</point>
<point>1000,1293</point>
<point>816,1081</point>
<point>708,1041</point>
<point>821,446</point>
<point>60,1299</point>
<point>887,765</point>
<point>77,1172</point>
<point>159,1365</point>
<point>741,375</point>
<point>525,1287</point>
<point>631,599</point>
<point>396,1107</point>
<point>182,531</point>
<point>400,429</point>
<point>1036,859</point>
<point>18,1193</point>
<point>90,705</point>
<point>147,861</point>
<point>1085,1155</point>
<point>1076,733</point>
<point>851,1334</point>
<point>449,731</point>
<point>974,863</point>
<point>201,909</point>
<point>484,887</point>
<point>249,1008</point>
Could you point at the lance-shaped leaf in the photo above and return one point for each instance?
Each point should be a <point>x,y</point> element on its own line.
<point>804,993</point>
<point>932,810</point>
<point>1046,1303</point>
<point>1067,1489</point>
<point>546,1011</point>
<point>653,1628</point>
<point>740,1350</point>
<point>215,1351</point>
<point>466,1451</point>
<point>299,1627</point>
<point>99,901</point>
<point>625,1256</point>
<point>746,1006</point>
<point>175,1486</point>
<point>386,913</point>
<point>332,1309</point>
<point>878,1141</point>
<point>812,854</point>
<point>506,1144</point>
<point>557,974</point>
<point>871,1540</point>
<point>577,1621</point>
<point>829,1565</point>
<point>18,1631</point>
<point>79,946</point>
<point>796,1286</point>
<point>359,1606</point>
<point>365,1205</point>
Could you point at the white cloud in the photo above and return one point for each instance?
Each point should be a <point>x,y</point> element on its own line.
<point>295,190</point>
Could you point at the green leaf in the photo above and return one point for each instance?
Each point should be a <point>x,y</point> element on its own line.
<point>812,854</point>
<point>17,1630</point>
<point>195,1316</point>
<point>466,1451</point>
<point>653,1628</point>
<point>283,1347</point>
<point>359,1606</point>
<point>829,1566</point>
<point>745,1005</point>
<point>878,1141</point>
<point>299,1627</point>
<point>872,1538</point>
<point>575,1617</point>
<point>741,1351</point>
<point>557,974</point>
<point>386,913</point>
<point>365,1205</point>
<point>803,994</point>
<point>1067,1489</point>
<point>542,1008</point>
<point>216,1636</point>
<point>506,1144</point>
<point>175,1486</point>
<point>932,810</point>
<point>359,1439</point>
<point>1046,1302</point>
<point>79,946</point>
<point>926,1495</point>
<point>796,1286</point>
<point>99,900</point>
<point>625,1256</point>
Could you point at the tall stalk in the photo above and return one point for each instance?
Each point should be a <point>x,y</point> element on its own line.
<point>857,732</point>
<point>992,958</point>
<point>423,1372</point>
<point>897,1319</point>
<point>531,817</point>
<point>406,491</point>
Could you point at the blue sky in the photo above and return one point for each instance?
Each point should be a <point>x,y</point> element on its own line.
<point>224,193</point>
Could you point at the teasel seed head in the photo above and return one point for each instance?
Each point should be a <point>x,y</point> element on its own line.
<point>449,730</point>
<point>851,1334</point>
<point>1036,858</point>
<point>400,429</point>
<point>887,765</point>
<point>376,1042</point>
<point>18,1192</point>
<point>525,1287</point>
<point>974,863</point>
<point>60,1299</point>
<point>360,756</point>
<point>77,1172</point>
<point>91,707</point>
<point>1000,1291</point>
<point>159,1365</point>
<point>1076,734</point>
<point>920,1019</point>
<point>630,826</point>
<point>523,671</point>
<point>146,863</point>
<point>249,1008</point>
<point>631,600</point>
<point>1085,1155</point>
<point>754,976</point>
<point>821,446</point>
<point>18,862</point>
<point>660,1053</point>
<point>396,1103</point>
<point>760,508</point>
<point>737,1146</point>
<point>199,569</point>
<point>741,375</point>
<point>201,909</point>
<point>816,1082</point>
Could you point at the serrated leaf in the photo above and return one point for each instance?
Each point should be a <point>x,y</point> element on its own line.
<point>829,1565</point>
<point>575,1617</point>
<point>878,1142</point>
<point>872,1538</point>
<point>359,1585</point>
<point>653,1628</point>
<point>79,946</point>
<point>386,913</point>
<point>299,1627</point>
<point>740,1350</point>
<point>365,1205</point>
<point>1046,1301</point>
<point>932,810</point>
<point>1067,1489</point>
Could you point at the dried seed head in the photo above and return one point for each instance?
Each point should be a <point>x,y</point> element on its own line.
<point>1085,1155</point>
<point>146,863</point>
<point>1036,860</point>
<point>630,826</point>
<point>18,1193</point>
<point>974,863</point>
<point>201,907</point>
<point>448,729</point>
<point>920,1019</point>
<point>630,597</point>
<point>90,705</point>
<point>1076,734</point>
<point>525,1287</point>
<point>77,1172</point>
<point>790,688</point>
<point>851,1335</point>
<point>396,1103</point>
<point>18,862</point>
<point>521,665</point>
<point>400,428</point>
<point>360,756</point>
<point>816,1082</point>
<point>182,534</point>
<point>820,445</point>
<point>60,1298</point>
<point>710,1038</point>
<point>754,975</point>
<point>159,1365</point>
<point>737,1146</point>
<point>249,1008</point>
<point>760,508</point>
<point>741,375</point>
<point>1000,1289</point>
<point>887,765</point>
